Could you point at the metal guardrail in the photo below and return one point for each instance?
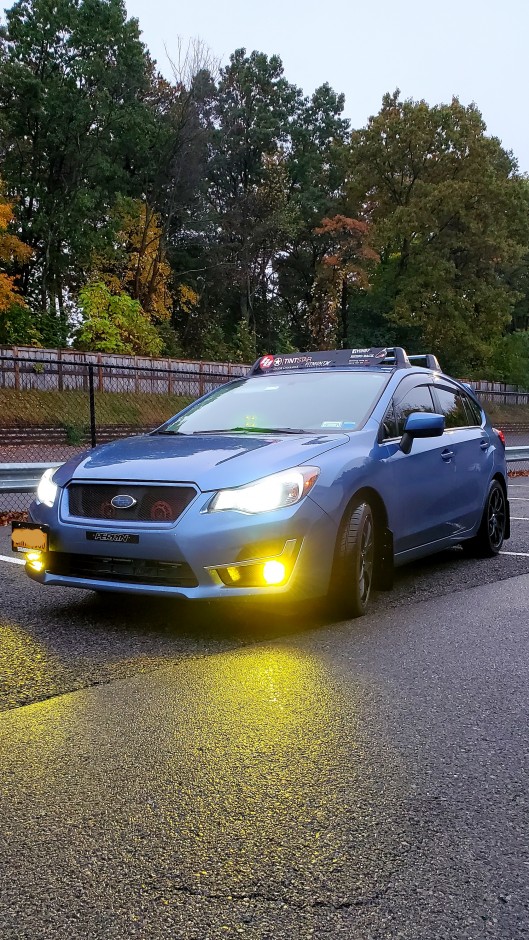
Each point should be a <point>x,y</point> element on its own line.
<point>516,454</point>
<point>24,477</point>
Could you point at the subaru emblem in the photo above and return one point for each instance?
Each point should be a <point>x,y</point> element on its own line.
<point>123,502</point>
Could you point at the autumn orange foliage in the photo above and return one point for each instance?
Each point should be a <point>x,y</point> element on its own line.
<point>11,249</point>
<point>344,262</point>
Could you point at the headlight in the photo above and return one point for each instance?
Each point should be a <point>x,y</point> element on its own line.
<point>273,492</point>
<point>47,490</point>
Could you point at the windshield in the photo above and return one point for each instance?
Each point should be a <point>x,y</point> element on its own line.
<point>316,401</point>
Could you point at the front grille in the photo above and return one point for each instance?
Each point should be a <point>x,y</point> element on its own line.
<point>152,503</point>
<point>126,570</point>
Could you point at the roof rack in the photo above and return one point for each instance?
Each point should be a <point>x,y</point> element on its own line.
<point>430,361</point>
<point>396,356</point>
<point>392,357</point>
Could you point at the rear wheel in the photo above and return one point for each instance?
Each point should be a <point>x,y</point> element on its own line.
<point>491,532</point>
<point>354,562</point>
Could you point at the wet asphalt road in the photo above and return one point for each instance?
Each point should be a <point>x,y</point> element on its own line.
<point>196,774</point>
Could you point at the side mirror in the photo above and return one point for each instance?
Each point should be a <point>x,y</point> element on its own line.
<point>421,424</point>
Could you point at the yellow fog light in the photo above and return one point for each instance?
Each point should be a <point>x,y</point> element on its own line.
<point>34,560</point>
<point>234,573</point>
<point>274,572</point>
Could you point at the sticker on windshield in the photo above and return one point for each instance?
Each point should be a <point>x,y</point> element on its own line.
<point>339,425</point>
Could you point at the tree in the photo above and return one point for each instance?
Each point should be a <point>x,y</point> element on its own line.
<point>73,74</point>
<point>114,323</point>
<point>136,262</point>
<point>12,249</point>
<point>317,169</point>
<point>450,215</point>
<point>250,215</point>
<point>344,264</point>
<point>510,359</point>
<point>16,324</point>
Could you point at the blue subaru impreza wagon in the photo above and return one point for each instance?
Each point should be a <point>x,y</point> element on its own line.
<point>313,476</point>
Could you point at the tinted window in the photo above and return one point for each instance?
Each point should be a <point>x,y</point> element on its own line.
<point>456,407</point>
<point>389,427</point>
<point>415,399</point>
<point>475,411</point>
<point>315,401</point>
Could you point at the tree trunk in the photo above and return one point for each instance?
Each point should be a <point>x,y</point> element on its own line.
<point>63,318</point>
<point>244,306</point>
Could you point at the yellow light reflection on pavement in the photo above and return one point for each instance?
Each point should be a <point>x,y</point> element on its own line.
<point>239,775</point>
<point>266,743</point>
<point>20,656</point>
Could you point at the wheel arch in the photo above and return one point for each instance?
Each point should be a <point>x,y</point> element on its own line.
<point>369,495</point>
<point>501,479</point>
<point>383,579</point>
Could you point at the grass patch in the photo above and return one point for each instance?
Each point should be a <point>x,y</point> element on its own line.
<point>70,409</point>
<point>507,414</point>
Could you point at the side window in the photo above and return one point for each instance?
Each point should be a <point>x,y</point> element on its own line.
<point>475,412</point>
<point>456,407</point>
<point>415,399</point>
<point>388,428</point>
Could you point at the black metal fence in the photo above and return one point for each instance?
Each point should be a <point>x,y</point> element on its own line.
<point>51,410</point>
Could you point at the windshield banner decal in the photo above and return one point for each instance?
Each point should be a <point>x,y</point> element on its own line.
<point>321,360</point>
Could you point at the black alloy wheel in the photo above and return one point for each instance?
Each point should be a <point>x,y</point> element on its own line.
<point>491,533</point>
<point>354,562</point>
<point>496,517</point>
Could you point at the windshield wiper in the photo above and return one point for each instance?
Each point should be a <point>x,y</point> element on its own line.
<point>170,432</point>
<point>253,431</point>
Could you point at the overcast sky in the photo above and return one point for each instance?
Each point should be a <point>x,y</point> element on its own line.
<point>475,49</point>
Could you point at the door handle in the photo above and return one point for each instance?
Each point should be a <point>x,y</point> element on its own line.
<point>484,445</point>
<point>447,454</point>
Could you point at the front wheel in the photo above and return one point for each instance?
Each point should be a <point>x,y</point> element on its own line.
<point>491,533</point>
<point>354,563</point>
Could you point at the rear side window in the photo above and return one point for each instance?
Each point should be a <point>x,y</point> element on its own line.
<point>418,398</point>
<point>458,409</point>
<point>474,409</point>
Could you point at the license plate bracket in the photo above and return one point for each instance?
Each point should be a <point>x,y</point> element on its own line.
<point>29,537</point>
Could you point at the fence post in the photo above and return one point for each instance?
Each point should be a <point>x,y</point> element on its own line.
<point>59,371</point>
<point>17,369</point>
<point>91,397</point>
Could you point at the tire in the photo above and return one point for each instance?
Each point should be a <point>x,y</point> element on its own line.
<point>491,532</point>
<point>354,563</point>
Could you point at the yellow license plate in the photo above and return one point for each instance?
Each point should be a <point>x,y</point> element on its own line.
<point>28,537</point>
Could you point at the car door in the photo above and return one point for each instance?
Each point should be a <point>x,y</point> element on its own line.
<point>467,438</point>
<point>422,482</point>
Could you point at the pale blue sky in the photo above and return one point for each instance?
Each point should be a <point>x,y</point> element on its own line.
<point>476,49</point>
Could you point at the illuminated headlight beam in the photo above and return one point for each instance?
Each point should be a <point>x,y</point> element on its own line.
<point>47,490</point>
<point>276,491</point>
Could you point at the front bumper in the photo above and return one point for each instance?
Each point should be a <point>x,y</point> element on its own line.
<point>203,544</point>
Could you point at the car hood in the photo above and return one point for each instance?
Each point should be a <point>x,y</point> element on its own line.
<point>211,461</point>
